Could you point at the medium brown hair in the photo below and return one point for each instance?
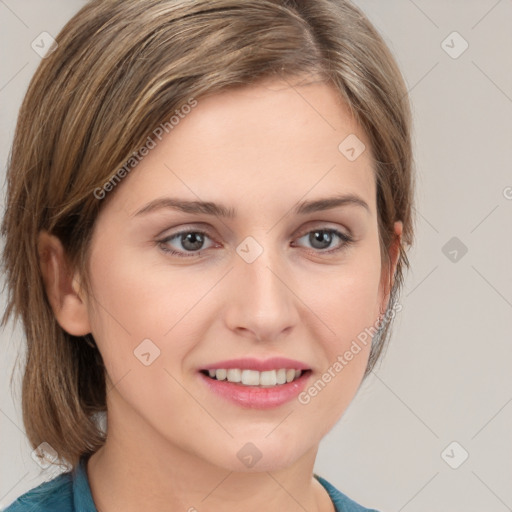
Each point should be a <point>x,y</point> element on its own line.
<point>120,69</point>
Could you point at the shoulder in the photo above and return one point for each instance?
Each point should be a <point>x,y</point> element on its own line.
<point>55,495</point>
<point>342,502</point>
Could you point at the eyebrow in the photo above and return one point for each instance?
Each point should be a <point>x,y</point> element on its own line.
<point>219,210</point>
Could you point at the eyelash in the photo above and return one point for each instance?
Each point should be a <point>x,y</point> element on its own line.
<point>346,239</point>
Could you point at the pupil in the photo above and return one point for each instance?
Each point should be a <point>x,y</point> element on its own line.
<point>195,239</point>
<point>321,236</point>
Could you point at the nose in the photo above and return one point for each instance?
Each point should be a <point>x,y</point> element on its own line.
<point>261,303</point>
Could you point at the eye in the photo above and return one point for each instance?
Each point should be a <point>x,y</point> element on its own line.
<point>322,239</point>
<point>193,242</point>
<point>190,241</point>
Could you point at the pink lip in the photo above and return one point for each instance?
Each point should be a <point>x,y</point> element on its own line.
<point>274,363</point>
<point>255,397</point>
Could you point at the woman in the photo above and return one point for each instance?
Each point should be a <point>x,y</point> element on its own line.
<point>213,200</point>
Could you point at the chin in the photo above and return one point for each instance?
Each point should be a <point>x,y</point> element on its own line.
<point>262,454</point>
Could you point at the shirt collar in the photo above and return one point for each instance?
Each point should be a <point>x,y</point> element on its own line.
<point>82,497</point>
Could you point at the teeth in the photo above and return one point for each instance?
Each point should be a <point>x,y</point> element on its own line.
<point>254,378</point>
<point>219,374</point>
<point>234,375</point>
<point>250,378</point>
<point>268,378</point>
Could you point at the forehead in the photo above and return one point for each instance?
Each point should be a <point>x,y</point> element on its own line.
<point>275,139</point>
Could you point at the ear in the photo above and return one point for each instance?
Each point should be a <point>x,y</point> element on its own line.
<point>388,275</point>
<point>62,286</point>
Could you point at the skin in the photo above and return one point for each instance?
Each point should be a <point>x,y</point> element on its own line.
<point>172,444</point>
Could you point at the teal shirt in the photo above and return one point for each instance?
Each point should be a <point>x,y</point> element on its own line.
<point>70,492</point>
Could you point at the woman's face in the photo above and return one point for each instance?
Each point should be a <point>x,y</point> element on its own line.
<point>271,268</point>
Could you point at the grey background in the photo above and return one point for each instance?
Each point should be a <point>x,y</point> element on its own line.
<point>446,375</point>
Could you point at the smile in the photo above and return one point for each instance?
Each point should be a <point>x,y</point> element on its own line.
<point>247,377</point>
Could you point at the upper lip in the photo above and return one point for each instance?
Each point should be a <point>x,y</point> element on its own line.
<point>274,363</point>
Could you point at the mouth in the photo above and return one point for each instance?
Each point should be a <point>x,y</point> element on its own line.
<point>254,383</point>
<point>254,378</point>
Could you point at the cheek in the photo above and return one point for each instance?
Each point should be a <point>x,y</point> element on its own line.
<point>348,305</point>
<point>347,299</point>
<point>135,301</point>
<point>129,294</point>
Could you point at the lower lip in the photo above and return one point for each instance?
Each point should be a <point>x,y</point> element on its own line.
<point>254,397</point>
